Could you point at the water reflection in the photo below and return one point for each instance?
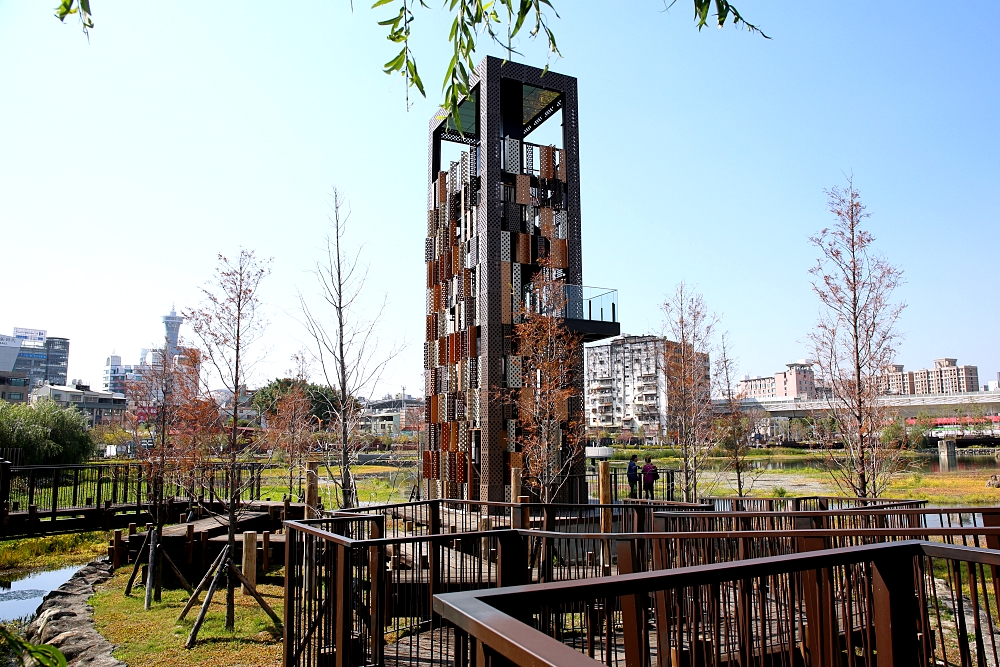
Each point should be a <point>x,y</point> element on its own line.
<point>21,597</point>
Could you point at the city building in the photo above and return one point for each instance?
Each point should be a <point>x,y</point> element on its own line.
<point>116,375</point>
<point>245,412</point>
<point>494,199</point>
<point>14,387</point>
<point>797,381</point>
<point>390,415</point>
<point>625,385</point>
<point>100,407</point>
<point>947,377</point>
<point>40,357</point>
<point>992,385</point>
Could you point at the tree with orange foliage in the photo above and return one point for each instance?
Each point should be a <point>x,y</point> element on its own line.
<point>550,433</point>
<point>159,396</point>
<point>290,428</point>
<point>198,426</point>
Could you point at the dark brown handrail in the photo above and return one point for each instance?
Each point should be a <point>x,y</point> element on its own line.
<point>490,616</point>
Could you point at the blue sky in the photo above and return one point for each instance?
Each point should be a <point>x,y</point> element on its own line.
<point>128,163</point>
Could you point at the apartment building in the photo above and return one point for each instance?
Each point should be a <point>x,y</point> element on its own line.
<point>797,381</point>
<point>947,377</point>
<point>625,384</point>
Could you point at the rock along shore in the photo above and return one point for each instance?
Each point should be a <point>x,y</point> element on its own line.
<point>66,621</point>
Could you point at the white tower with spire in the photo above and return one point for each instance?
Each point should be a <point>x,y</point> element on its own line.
<point>172,324</point>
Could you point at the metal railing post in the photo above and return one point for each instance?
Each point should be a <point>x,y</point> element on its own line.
<point>377,592</point>
<point>289,611</point>
<point>633,610</point>
<point>895,608</point>
<point>512,559</point>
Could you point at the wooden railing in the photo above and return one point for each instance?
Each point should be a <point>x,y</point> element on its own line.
<point>34,498</point>
<point>356,598</point>
<point>901,604</point>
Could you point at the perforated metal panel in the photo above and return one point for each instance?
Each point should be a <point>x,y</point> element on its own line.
<point>522,189</point>
<point>514,371</point>
<point>505,244</point>
<point>512,156</point>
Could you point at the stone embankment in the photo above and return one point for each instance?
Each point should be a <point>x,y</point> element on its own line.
<point>66,621</point>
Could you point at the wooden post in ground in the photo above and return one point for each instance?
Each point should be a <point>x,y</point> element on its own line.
<point>204,607</point>
<point>249,559</point>
<point>515,484</point>
<point>193,600</point>
<point>266,565</point>
<point>151,570</point>
<point>116,560</point>
<point>604,498</point>
<point>312,490</point>
<point>138,564</point>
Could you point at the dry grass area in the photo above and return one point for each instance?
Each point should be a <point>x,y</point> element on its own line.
<point>946,488</point>
<point>155,638</point>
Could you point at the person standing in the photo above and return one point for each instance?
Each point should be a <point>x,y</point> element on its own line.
<point>649,475</point>
<point>633,476</point>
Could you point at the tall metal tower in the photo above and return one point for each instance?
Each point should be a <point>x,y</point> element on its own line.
<point>172,324</point>
<point>486,213</point>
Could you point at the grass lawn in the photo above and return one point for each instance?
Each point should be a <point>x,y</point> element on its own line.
<point>43,553</point>
<point>154,637</point>
<point>375,484</point>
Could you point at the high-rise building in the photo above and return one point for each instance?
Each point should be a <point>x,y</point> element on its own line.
<point>626,386</point>
<point>947,377</point>
<point>9,347</point>
<point>40,357</point>
<point>497,200</point>
<point>116,374</point>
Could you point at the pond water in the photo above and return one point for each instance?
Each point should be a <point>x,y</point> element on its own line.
<point>21,597</point>
<point>928,463</point>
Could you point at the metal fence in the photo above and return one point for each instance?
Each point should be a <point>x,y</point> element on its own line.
<point>907,603</point>
<point>65,487</point>
<point>369,598</point>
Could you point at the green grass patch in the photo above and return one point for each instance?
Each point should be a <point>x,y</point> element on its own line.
<point>147,638</point>
<point>52,551</point>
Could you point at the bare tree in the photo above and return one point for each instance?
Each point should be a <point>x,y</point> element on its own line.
<point>158,392</point>
<point>688,370</point>
<point>854,343</point>
<point>229,323</point>
<point>734,427</point>
<point>345,345</point>
<point>550,433</point>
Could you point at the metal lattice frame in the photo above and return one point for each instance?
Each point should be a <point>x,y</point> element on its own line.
<point>470,249</point>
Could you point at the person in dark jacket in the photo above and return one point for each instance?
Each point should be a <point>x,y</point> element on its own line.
<point>649,475</point>
<point>633,477</point>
